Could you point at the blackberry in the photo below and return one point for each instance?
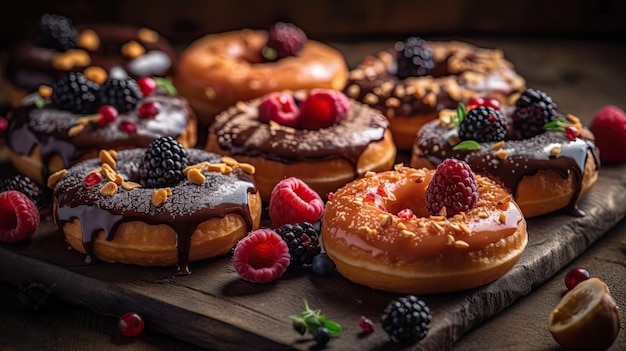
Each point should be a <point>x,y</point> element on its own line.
<point>56,32</point>
<point>123,94</point>
<point>163,165</point>
<point>414,58</point>
<point>483,123</point>
<point>533,110</point>
<point>24,185</point>
<point>75,93</point>
<point>453,186</point>
<point>284,39</point>
<point>303,242</point>
<point>406,319</point>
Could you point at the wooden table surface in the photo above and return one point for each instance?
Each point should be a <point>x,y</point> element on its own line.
<point>580,76</point>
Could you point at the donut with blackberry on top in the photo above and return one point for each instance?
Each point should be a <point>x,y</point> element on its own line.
<point>218,70</point>
<point>547,160</point>
<point>319,136</point>
<point>415,79</point>
<point>82,113</point>
<point>157,206</point>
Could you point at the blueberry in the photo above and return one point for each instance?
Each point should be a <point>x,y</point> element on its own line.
<point>322,265</point>
<point>321,336</point>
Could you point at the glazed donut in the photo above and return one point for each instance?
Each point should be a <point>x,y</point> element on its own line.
<point>325,159</point>
<point>460,71</point>
<point>43,137</point>
<point>218,70</point>
<point>132,224</point>
<point>545,173</point>
<point>140,51</point>
<point>425,254</point>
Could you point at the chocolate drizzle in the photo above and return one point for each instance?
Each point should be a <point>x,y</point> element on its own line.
<point>525,157</point>
<point>240,132</point>
<point>187,207</point>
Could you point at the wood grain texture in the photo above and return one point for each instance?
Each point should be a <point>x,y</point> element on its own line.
<point>215,309</point>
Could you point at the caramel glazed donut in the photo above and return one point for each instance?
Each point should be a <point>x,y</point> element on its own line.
<point>425,254</point>
<point>460,72</point>
<point>545,173</point>
<point>139,51</point>
<point>325,159</point>
<point>218,70</point>
<point>42,140</point>
<point>115,219</point>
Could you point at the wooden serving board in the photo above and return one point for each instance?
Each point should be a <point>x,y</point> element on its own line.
<point>215,309</point>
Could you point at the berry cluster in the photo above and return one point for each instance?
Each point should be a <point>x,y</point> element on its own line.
<point>414,58</point>
<point>303,242</point>
<point>56,32</point>
<point>533,110</point>
<point>25,185</point>
<point>164,161</point>
<point>453,187</point>
<point>284,40</point>
<point>483,123</point>
<point>321,108</point>
<point>406,319</point>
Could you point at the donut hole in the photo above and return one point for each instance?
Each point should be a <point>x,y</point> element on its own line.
<point>410,195</point>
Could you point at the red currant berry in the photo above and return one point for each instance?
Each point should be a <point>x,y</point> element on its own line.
<point>571,133</point>
<point>130,324</point>
<point>146,85</point>
<point>493,103</point>
<point>108,114</point>
<point>475,102</point>
<point>366,324</point>
<point>93,178</point>
<point>4,124</point>
<point>128,127</point>
<point>149,110</point>
<point>575,276</point>
<point>406,214</point>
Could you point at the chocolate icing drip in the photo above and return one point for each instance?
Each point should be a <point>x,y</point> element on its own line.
<point>240,132</point>
<point>187,207</point>
<point>525,157</point>
<point>47,128</point>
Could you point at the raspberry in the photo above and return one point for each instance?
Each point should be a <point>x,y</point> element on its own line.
<point>284,39</point>
<point>483,123</point>
<point>279,107</point>
<point>453,186</point>
<point>262,256</point>
<point>406,319</point>
<point>24,185</point>
<point>56,32</point>
<point>293,201</point>
<point>609,128</point>
<point>414,58</point>
<point>303,242</point>
<point>19,217</point>
<point>533,110</point>
<point>75,93</point>
<point>164,161</point>
<point>323,108</point>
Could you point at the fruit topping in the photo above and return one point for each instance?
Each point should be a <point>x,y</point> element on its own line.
<point>4,124</point>
<point>406,319</point>
<point>293,201</point>
<point>261,256</point>
<point>163,165</point>
<point>533,110</point>
<point>586,318</point>
<point>56,32</point>
<point>475,102</point>
<point>571,132</point>
<point>322,265</point>
<point>93,178</point>
<point>279,107</point>
<point>312,320</point>
<point>323,108</point>
<point>130,324</point>
<point>575,276</point>
<point>123,94</point>
<point>19,217</point>
<point>149,110</point>
<point>483,123</point>
<point>406,214</point>
<point>108,114</point>
<point>321,335</point>
<point>303,242</point>
<point>608,125</point>
<point>284,39</point>
<point>25,185</point>
<point>414,58</point>
<point>366,324</point>
<point>146,85</point>
<point>453,187</point>
<point>74,92</point>
<point>128,127</point>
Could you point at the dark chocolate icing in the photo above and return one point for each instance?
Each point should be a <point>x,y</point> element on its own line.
<point>525,157</point>
<point>240,132</point>
<point>188,206</point>
<point>47,128</point>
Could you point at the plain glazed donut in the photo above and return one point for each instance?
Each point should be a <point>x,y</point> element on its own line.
<point>325,159</point>
<point>373,246</point>
<point>218,70</point>
<point>133,225</point>
<point>462,71</point>
<point>545,173</point>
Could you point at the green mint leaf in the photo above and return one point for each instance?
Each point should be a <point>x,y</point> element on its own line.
<point>557,124</point>
<point>333,327</point>
<point>167,84</point>
<point>460,114</point>
<point>40,102</point>
<point>467,145</point>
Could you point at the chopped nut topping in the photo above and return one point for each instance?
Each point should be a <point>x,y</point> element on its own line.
<point>108,189</point>
<point>106,157</point>
<point>460,244</point>
<point>133,49</point>
<point>363,230</point>
<point>464,227</point>
<point>437,226</point>
<point>54,178</point>
<point>96,74</point>
<point>370,99</point>
<point>45,91</point>
<point>450,240</point>
<point>248,168</point>
<point>502,217</point>
<point>119,180</point>
<point>229,161</point>
<point>75,130</point>
<point>498,145</point>
<point>353,91</point>
<point>407,233</point>
<point>88,39</point>
<point>210,93</point>
<point>400,226</point>
<point>502,154</point>
<point>130,185</point>
<point>392,102</point>
<point>196,177</point>
<point>241,106</point>
<point>159,197</point>
<point>147,35</point>
<point>555,151</point>
<point>385,220</point>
